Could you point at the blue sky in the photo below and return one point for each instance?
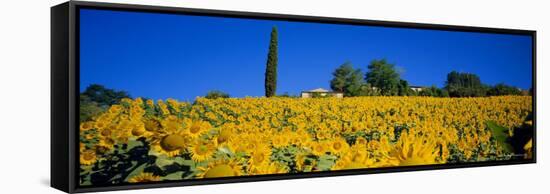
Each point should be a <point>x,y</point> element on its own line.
<point>162,56</point>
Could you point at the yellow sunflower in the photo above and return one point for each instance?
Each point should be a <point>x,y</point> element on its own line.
<point>107,142</point>
<point>224,135</point>
<point>172,124</point>
<point>198,127</point>
<point>220,168</point>
<point>319,148</point>
<point>260,155</point>
<point>277,141</point>
<point>171,144</point>
<point>269,168</point>
<point>152,125</point>
<point>86,126</point>
<point>361,141</point>
<point>412,150</point>
<point>344,164</point>
<point>202,150</point>
<point>338,145</point>
<point>144,177</point>
<point>88,157</point>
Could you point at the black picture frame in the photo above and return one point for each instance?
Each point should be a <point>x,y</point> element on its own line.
<point>65,84</point>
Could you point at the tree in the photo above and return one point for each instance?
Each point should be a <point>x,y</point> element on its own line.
<point>354,83</point>
<point>433,91</point>
<point>271,66</point>
<point>383,76</point>
<point>464,85</point>
<point>88,108</point>
<point>104,96</point>
<point>403,88</point>
<point>340,77</point>
<point>347,80</point>
<point>96,99</point>
<point>502,89</point>
<point>368,90</point>
<point>214,94</point>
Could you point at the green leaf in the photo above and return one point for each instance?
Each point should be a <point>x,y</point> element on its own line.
<point>133,143</point>
<point>135,172</point>
<point>163,160</point>
<point>500,133</point>
<point>326,162</point>
<point>173,176</point>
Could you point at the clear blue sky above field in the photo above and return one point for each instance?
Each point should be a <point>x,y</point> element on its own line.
<point>163,56</point>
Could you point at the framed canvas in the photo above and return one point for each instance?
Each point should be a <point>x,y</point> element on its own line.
<point>148,96</point>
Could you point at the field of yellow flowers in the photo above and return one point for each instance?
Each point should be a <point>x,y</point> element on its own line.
<point>142,140</point>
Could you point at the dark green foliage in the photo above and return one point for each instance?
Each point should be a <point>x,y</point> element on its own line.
<point>271,66</point>
<point>384,77</point>
<point>433,91</point>
<point>340,77</point>
<point>96,99</point>
<point>502,90</point>
<point>354,83</point>
<point>403,88</point>
<point>216,94</point>
<point>464,85</point>
<point>88,108</point>
<point>129,160</point>
<point>349,81</point>
<point>104,96</point>
<point>368,90</point>
<point>120,164</point>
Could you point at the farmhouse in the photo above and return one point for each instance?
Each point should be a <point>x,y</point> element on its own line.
<point>320,92</point>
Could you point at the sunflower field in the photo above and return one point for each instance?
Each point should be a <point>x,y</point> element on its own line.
<point>143,141</point>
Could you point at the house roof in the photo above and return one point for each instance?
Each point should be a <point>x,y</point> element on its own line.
<point>319,90</point>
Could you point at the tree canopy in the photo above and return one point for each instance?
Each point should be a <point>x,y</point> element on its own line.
<point>213,94</point>
<point>96,98</point>
<point>347,80</point>
<point>502,89</point>
<point>104,96</point>
<point>464,85</point>
<point>384,77</point>
<point>271,65</point>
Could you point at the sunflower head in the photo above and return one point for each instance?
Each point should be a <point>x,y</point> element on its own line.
<point>198,127</point>
<point>88,157</point>
<point>152,125</point>
<point>171,124</point>
<point>173,142</point>
<point>319,148</point>
<point>361,141</point>
<point>220,168</point>
<point>412,150</point>
<point>144,177</point>
<point>202,150</point>
<point>338,146</point>
<point>224,135</point>
<point>269,168</point>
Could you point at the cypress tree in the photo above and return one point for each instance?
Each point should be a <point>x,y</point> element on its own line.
<point>271,66</point>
